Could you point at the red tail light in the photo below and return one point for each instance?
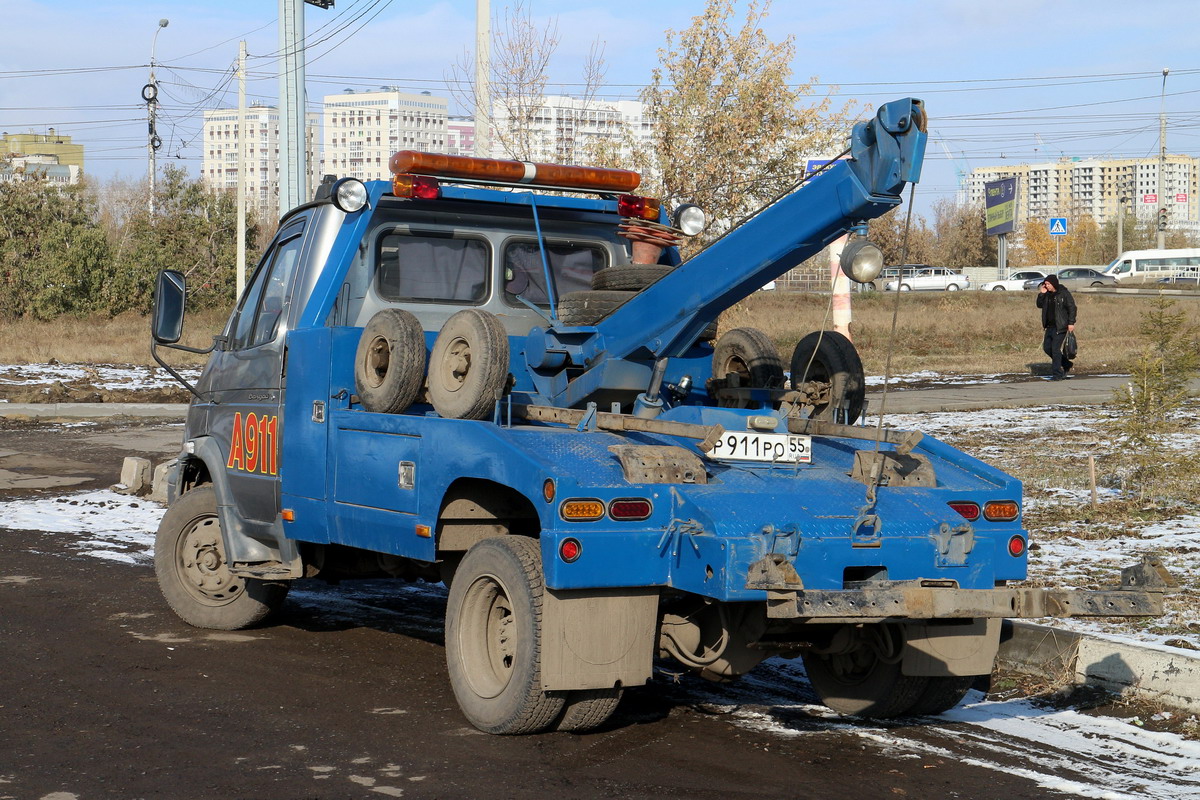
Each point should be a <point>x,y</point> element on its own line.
<point>417,186</point>
<point>630,205</point>
<point>1016,546</point>
<point>629,508</point>
<point>570,550</point>
<point>969,511</point>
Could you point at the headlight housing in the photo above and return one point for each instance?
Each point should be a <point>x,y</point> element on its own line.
<point>861,260</point>
<point>349,194</point>
<point>690,219</point>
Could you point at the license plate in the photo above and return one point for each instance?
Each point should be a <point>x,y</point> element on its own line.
<point>786,448</point>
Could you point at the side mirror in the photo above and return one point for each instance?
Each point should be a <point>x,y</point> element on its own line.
<point>170,298</point>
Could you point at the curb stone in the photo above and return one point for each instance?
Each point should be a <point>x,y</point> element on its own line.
<point>1148,671</point>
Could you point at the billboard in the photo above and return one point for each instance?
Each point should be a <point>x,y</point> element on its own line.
<point>1000,203</point>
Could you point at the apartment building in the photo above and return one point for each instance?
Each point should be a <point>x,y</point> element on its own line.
<point>363,129</point>
<point>560,129</point>
<point>55,146</point>
<point>1098,187</point>
<point>219,169</point>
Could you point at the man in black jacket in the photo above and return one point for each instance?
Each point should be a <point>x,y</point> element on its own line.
<point>1058,318</point>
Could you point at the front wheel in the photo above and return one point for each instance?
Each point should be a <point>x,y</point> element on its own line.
<point>952,287</point>
<point>904,287</point>
<point>189,561</point>
<point>997,288</point>
<point>493,638</point>
<point>1096,283</point>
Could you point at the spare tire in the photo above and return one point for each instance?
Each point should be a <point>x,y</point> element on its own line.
<point>829,357</point>
<point>751,355</point>
<point>629,277</point>
<point>588,308</point>
<point>390,363</point>
<point>468,367</point>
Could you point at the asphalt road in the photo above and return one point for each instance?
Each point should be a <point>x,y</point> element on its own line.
<point>104,693</point>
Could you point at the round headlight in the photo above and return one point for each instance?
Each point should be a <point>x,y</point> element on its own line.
<point>690,219</point>
<point>862,261</point>
<point>349,194</point>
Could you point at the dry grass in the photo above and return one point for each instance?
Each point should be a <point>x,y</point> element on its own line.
<point>956,332</point>
<point>123,339</point>
<point>963,332</point>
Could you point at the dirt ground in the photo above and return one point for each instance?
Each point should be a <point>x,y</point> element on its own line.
<point>106,694</point>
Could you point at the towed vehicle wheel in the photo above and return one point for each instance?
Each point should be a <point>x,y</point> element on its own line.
<point>189,562</point>
<point>865,680</point>
<point>493,638</point>
<point>830,360</point>
<point>749,354</point>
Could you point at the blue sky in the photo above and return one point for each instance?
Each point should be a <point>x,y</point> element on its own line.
<point>1017,81</point>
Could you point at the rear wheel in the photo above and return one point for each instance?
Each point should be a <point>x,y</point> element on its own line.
<point>865,680</point>
<point>997,288</point>
<point>189,562</point>
<point>829,359</point>
<point>942,694</point>
<point>952,287</point>
<point>587,709</point>
<point>904,287</point>
<point>493,638</point>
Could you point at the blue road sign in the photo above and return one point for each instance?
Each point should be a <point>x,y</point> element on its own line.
<point>1058,226</point>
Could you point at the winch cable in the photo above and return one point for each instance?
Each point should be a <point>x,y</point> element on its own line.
<point>887,364</point>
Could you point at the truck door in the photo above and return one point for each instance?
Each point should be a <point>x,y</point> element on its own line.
<point>249,392</point>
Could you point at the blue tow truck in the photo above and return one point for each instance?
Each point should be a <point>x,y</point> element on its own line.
<point>501,375</point>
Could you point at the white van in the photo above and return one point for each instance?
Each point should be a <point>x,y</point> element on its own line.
<point>1142,265</point>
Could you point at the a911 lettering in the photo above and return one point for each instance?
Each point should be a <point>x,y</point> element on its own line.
<point>254,444</point>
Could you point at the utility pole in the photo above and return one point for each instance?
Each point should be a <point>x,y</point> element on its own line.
<point>243,136</point>
<point>483,92</point>
<point>153,142</point>
<point>1162,157</point>
<point>293,156</point>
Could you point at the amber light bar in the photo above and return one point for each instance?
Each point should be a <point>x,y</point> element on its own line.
<point>440,165</point>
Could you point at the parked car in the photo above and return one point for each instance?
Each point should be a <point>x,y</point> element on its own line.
<point>1014,282</point>
<point>930,279</point>
<point>1077,278</point>
<point>891,274</point>
<point>1182,280</point>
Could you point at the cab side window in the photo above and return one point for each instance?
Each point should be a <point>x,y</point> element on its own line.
<point>267,301</point>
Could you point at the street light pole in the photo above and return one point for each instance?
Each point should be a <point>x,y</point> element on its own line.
<point>483,75</point>
<point>150,95</point>
<point>1162,156</point>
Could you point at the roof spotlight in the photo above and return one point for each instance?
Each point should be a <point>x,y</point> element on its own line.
<point>861,260</point>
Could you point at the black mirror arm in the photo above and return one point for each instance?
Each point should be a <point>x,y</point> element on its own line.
<point>170,370</point>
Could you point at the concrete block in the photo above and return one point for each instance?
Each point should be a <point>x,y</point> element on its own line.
<point>158,491</point>
<point>135,475</point>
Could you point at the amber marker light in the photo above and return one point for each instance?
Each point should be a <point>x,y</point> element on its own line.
<point>548,490</point>
<point>581,510</point>
<point>288,515</point>
<point>424,531</point>
<point>1001,510</point>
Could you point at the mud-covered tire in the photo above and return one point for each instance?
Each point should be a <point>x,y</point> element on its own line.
<point>588,709</point>
<point>493,638</point>
<point>629,277</point>
<point>942,694</point>
<point>751,355</point>
<point>831,358</point>
<point>468,367</point>
<point>389,367</point>
<point>189,562</point>
<point>588,308</point>
<point>861,684</point>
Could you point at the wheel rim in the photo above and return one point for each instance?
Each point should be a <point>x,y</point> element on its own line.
<point>456,365</point>
<point>200,562</point>
<point>488,636</point>
<point>379,359</point>
<point>737,366</point>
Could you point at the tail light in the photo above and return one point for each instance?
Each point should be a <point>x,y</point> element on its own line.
<point>629,508</point>
<point>1001,510</point>
<point>417,186</point>
<point>570,550</point>
<point>1016,546</point>
<point>969,511</point>
<point>630,205</point>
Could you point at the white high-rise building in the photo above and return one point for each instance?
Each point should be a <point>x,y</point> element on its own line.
<point>1098,187</point>
<point>560,129</point>
<point>364,129</point>
<point>220,167</point>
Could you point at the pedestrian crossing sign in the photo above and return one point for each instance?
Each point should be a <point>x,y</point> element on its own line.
<point>1058,226</point>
